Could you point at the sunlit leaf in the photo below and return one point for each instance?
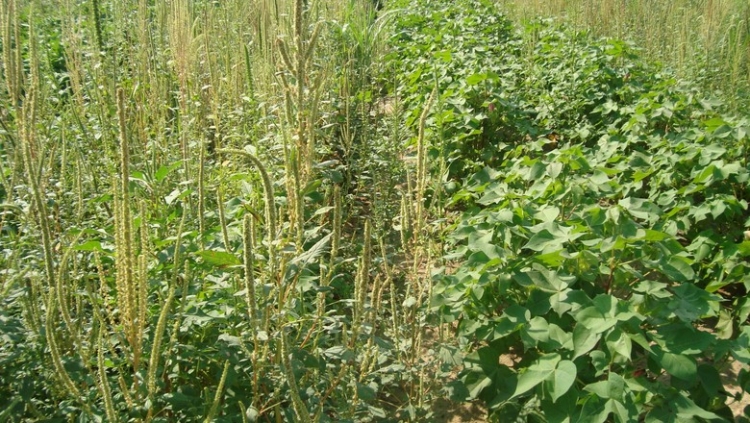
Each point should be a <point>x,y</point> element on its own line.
<point>562,379</point>
<point>536,373</point>
<point>219,258</point>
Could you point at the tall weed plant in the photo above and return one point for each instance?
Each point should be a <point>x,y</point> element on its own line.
<point>187,229</point>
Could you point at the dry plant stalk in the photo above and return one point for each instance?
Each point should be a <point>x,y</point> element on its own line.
<point>181,40</point>
<point>223,220</point>
<point>202,195</point>
<point>248,262</point>
<point>300,409</point>
<point>363,274</point>
<point>300,96</point>
<point>54,349</point>
<point>130,296</point>
<point>162,322</point>
<point>422,165</point>
<point>270,207</point>
<point>217,397</point>
<point>12,66</point>
<point>104,388</point>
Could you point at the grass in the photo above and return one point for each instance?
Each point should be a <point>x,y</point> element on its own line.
<point>705,40</point>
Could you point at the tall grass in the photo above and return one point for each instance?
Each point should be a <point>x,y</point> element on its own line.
<point>706,40</point>
<point>120,122</point>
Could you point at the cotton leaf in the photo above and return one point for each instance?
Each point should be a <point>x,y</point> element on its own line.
<point>537,373</point>
<point>562,379</point>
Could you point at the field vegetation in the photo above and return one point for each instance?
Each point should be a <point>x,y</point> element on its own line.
<point>314,211</point>
<point>707,41</point>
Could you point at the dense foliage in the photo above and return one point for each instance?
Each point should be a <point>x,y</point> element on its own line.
<point>600,263</point>
<point>211,211</point>
<point>191,210</point>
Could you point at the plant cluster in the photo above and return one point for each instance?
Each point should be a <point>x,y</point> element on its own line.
<point>705,41</point>
<point>599,262</point>
<point>259,211</point>
<point>182,234</point>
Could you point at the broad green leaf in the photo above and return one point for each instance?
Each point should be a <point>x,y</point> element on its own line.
<point>476,78</point>
<point>537,373</point>
<point>600,389</point>
<point>546,280</point>
<point>641,340</point>
<point>710,380</point>
<point>495,193</point>
<point>615,243</point>
<point>612,388</point>
<point>678,269</point>
<point>476,383</point>
<point>678,366</point>
<point>538,302</point>
<point>176,194</point>
<point>641,208</point>
<point>481,178</point>
<point>537,330</point>
<point>312,253</point>
<point>552,259</point>
<point>503,215</point>
<point>545,241</point>
<point>741,347</point>
<point>163,171</point>
<point>219,258</point>
<point>234,341</point>
<point>593,410</point>
<point>743,308</point>
<point>92,245</point>
<point>339,352</point>
<point>618,409</point>
<point>709,174</point>
<point>507,411</point>
<point>600,361</point>
<point>559,301</point>
<point>444,55</point>
<point>690,302</point>
<point>619,343</point>
<point>536,171</point>
<point>482,241</point>
<point>322,210</point>
<point>584,340</point>
<point>562,379</point>
<point>599,178</point>
<point>653,288</point>
<point>366,392</point>
<point>713,124</point>
<point>718,208</point>
<point>654,236</point>
<point>550,236</point>
<point>485,358</point>
<point>684,339</point>
<point>547,213</point>
<point>558,335</point>
<point>554,169</point>
<point>376,412</point>
<point>687,410</point>
<point>562,410</point>
<point>517,314</point>
<point>595,320</point>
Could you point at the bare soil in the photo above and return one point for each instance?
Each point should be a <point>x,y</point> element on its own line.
<point>446,411</point>
<point>729,378</point>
